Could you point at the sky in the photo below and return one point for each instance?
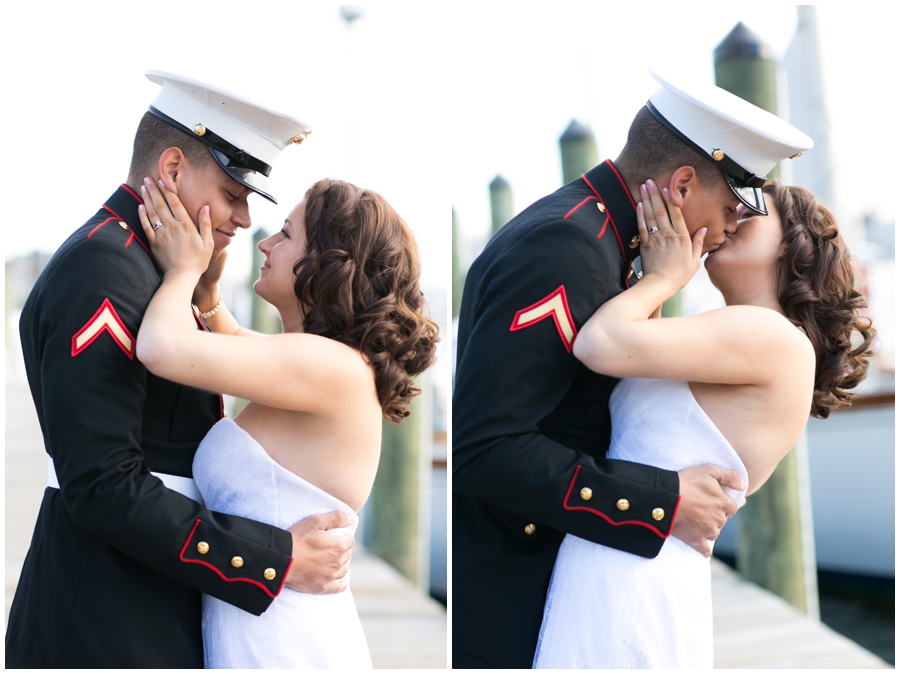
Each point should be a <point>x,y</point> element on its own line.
<point>520,76</point>
<point>76,74</point>
<point>422,102</point>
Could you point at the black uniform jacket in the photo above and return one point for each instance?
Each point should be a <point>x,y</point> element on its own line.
<point>118,562</point>
<point>531,424</point>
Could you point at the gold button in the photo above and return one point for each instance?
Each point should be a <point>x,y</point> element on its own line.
<point>202,547</point>
<point>601,207</point>
<point>123,225</point>
<point>718,155</point>
<point>658,514</point>
<point>530,529</point>
<point>200,130</point>
<point>635,242</point>
<point>237,562</point>
<point>623,504</point>
<point>269,574</point>
<point>586,494</point>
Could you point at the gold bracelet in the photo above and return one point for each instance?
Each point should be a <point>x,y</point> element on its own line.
<point>212,312</point>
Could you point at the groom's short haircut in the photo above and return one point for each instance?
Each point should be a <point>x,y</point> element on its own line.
<point>153,137</point>
<point>651,149</point>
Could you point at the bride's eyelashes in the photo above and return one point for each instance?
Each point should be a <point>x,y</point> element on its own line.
<point>284,233</point>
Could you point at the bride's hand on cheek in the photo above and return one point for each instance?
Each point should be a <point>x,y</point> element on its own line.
<point>667,250</point>
<point>176,243</point>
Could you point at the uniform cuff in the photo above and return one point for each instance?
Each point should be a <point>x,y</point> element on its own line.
<point>236,560</point>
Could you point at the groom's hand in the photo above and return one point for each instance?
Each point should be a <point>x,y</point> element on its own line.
<point>704,507</point>
<point>321,559</point>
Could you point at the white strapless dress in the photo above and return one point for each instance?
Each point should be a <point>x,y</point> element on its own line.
<point>235,475</point>
<point>611,609</point>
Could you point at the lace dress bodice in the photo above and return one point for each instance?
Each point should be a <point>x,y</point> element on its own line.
<point>235,475</point>
<point>610,609</point>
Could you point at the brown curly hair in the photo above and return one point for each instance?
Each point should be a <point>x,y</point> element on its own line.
<point>358,284</point>
<point>815,282</point>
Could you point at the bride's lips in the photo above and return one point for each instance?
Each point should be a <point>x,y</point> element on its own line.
<point>225,235</point>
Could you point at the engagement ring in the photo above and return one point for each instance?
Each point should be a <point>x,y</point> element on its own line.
<point>159,223</point>
<point>653,229</point>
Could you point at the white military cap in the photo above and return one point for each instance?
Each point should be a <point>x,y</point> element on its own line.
<point>243,137</point>
<point>744,140</point>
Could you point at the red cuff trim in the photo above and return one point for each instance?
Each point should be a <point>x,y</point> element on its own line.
<point>219,573</point>
<point>607,518</point>
<point>583,202</point>
<point>99,226</point>
<point>284,579</point>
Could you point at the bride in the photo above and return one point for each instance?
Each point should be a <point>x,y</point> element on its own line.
<point>343,273</point>
<point>733,387</point>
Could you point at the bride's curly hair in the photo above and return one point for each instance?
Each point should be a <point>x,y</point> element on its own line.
<point>358,284</point>
<point>815,282</point>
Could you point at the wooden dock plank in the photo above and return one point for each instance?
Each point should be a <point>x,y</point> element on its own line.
<point>404,627</point>
<point>754,629</point>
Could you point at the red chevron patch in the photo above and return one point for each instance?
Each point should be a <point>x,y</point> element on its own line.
<point>105,320</point>
<point>555,305</point>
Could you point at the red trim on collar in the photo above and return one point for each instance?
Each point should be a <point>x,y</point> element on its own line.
<point>612,222</point>
<point>583,202</point>
<point>131,192</point>
<point>219,573</point>
<point>610,521</point>
<point>621,180</point>
<point>99,226</point>
<point>136,238</point>
<point>130,239</point>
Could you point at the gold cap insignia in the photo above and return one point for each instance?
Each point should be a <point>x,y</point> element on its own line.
<point>794,156</point>
<point>300,137</point>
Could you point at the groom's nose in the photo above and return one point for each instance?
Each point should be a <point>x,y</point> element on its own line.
<point>241,218</point>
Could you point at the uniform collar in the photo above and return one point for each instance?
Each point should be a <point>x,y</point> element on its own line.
<point>124,205</point>
<point>608,185</point>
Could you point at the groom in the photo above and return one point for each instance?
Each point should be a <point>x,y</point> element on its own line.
<point>123,547</point>
<point>531,424</point>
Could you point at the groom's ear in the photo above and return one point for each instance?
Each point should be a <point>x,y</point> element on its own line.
<point>171,164</point>
<point>682,183</point>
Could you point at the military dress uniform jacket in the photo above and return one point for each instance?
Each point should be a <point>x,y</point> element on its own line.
<point>531,424</point>
<point>118,562</point>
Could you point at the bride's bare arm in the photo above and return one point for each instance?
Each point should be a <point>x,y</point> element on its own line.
<point>733,345</point>
<point>289,371</point>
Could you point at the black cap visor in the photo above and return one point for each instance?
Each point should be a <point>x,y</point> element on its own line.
<point>742,182</point>
<point>751,197</point>
<point>249,171</point>
<point>247,177</point>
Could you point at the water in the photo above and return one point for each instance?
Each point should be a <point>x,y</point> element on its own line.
<point>860,608</point>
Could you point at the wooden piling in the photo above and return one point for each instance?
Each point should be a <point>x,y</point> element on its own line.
<point>775,539</point>
<point>501,203</point>
<point>578,151</point>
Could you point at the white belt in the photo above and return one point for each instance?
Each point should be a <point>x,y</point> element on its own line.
<point>183,485</point>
